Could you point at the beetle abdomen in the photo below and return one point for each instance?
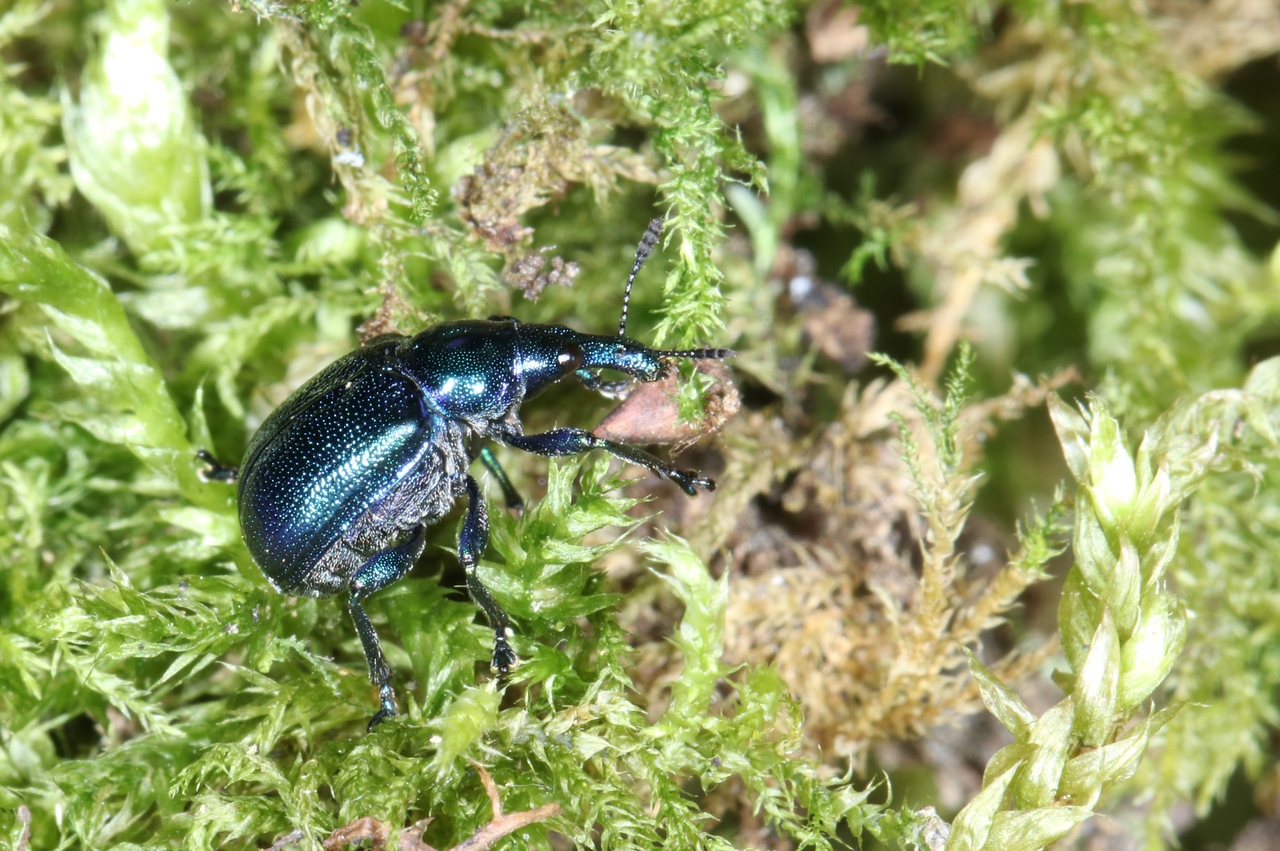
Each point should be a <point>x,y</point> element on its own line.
<point>317,466</point>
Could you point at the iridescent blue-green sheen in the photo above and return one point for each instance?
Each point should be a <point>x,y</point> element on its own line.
<point>339,484</point>
<point>332,451</point>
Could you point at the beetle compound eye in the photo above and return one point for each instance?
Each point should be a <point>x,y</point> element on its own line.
<point>570,358</point>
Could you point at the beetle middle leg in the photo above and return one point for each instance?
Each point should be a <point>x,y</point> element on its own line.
<point>572,441</point>
<point>509,493</point>
<point>374,575</point>
<point>472,543</point>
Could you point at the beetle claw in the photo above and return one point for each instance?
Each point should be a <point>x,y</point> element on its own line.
<point>689,481</point>
<point>388,710</point>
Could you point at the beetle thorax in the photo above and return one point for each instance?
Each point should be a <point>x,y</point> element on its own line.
<point>467,370</point>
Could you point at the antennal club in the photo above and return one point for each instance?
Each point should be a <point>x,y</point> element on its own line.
<point>698,354</point>
<point>644,250</point>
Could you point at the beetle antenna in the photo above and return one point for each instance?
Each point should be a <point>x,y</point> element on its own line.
<point>643,251</point>
<point>698,354</point>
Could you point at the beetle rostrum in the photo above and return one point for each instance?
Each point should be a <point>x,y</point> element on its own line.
<point>339,484</point>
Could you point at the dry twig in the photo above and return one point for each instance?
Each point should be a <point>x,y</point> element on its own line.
<point>411,839</point>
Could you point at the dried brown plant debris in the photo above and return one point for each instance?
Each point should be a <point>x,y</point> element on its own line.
<point>385,319</point>
<point>830,320</point>
<point>378,832</point>
<point>840,329</point>
<point>962,244</point>
<point>370,828</point>
<point>529,273</point>
<point>536,160</point>
<point>840,582</point>
<point>834,33</point>
<point>1212,39</point>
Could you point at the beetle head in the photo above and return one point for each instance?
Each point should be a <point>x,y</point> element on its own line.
<point>551,352</point>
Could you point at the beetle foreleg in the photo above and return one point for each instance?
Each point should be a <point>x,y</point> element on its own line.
<point>509,493</point>
<point>374,575</point>
<point>571,441</point>
<point>472,543</point>
<point>608,389</point>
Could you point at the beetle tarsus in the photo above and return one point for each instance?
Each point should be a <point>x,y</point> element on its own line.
<point>212,471</point>
<point>388,709</point>
<point>504,658</point>
<point>689,481</point>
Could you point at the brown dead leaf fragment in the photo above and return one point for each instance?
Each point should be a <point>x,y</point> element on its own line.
<point>649,414</point>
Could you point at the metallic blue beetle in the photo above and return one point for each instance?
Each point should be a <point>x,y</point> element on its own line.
<point>339,484</point>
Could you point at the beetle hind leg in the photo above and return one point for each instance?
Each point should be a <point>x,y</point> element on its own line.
<point>472,543</point>
<point>374,575</point>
